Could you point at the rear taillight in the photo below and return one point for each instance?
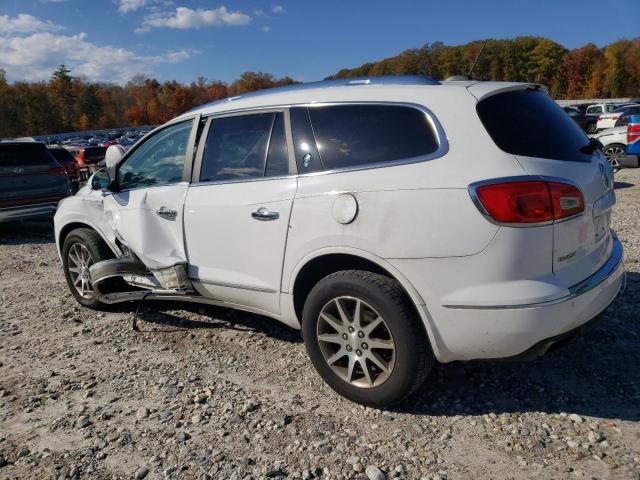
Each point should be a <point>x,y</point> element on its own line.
<point>530,201</point>
<point>56,171</point>
<point>615,117</point>
<point>633,132</point>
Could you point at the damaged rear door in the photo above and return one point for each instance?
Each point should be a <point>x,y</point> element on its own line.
<point>146,211</point>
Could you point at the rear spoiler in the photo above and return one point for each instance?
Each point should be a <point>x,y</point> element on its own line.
<point>482,90</point>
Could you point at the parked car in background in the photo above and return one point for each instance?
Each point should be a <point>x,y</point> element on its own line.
<point>86,156</point>
<point>633,140</point>
<point>32,182</point>
<point>600,108</point>
<point>389,218</point>
<point>586,122</point>
<point>608,120</point>
<point>623,120</point>
<point>64,158</point>
<point>614,146</point>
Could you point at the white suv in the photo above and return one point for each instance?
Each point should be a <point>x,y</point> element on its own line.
<point>397,221</point>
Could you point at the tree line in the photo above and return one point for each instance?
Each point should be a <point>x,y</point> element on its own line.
<point>67,103</point>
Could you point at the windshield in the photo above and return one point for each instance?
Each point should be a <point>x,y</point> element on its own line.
<point>531,124</point>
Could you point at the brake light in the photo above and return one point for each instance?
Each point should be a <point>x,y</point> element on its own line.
<point>615,117</point>
<point>633,132</point>
<point>530,202</point>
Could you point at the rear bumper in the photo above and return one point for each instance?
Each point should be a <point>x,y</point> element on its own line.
<point>526,331</point>
<point>630,161</point>
<point>42,210</point>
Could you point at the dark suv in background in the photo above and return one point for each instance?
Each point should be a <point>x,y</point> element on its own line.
<point>32,182</point>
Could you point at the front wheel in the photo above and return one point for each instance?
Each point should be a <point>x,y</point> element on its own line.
<point>365,339</point>
<point>82,248</point>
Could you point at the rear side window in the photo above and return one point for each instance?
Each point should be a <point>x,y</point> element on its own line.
<point>24,155</point>
<point>62,155</point>
<point>357,135</point>
<point>529,123</point>
<point>237,147</point>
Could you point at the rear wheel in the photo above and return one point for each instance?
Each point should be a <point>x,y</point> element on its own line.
<point>82,248</point>
<point>614,153</point>
<point>365,339</point>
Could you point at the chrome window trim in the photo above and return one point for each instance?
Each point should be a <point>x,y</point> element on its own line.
<point>473,193</point>
<point>442,150</point>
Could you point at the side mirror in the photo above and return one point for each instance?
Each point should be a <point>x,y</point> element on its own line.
<point>100,180</point>
<point>112,158</point>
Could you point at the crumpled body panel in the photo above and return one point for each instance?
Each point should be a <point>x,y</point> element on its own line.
<point>156,240</point>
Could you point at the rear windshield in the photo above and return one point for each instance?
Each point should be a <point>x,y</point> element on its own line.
<point>94,152</point>
<point>24,155</point>
<point>62,155</point>
<point>529,123</point>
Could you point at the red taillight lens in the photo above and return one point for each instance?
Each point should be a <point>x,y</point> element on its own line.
<point>535,201</point>
<point>566,199</point>
<point>633,132</point>
<point>615,117</point>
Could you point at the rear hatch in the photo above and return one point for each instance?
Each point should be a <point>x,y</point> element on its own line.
<point>528,124</point>
<point>29,175</point>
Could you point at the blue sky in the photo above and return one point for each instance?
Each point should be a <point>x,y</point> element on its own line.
<point>112,40</point>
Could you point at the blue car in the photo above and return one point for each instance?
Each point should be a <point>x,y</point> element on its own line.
<point>633,141</point>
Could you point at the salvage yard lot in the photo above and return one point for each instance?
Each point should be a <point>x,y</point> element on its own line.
<point>204,392</point>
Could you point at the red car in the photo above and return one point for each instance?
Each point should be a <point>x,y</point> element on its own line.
<point>86,156</point>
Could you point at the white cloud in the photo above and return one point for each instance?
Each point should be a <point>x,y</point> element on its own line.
<point>266,29</point>
<point>25,23</point>
<point>277,8</point>
<point>125,6</point>
<point>185,18</point>
<point>36,56</point>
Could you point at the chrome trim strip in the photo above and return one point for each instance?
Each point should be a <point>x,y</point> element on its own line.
<point>588,284</point>
<point>233,285</point>
<point>472,188</point>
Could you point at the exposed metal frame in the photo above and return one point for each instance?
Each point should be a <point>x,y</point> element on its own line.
<point>473,192</point>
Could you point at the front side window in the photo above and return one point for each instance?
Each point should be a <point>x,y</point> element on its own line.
<point>356,135</point>
<point>245,146</point>
<point>159,160</point>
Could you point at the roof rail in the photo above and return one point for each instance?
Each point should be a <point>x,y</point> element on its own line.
<point>340,82</point>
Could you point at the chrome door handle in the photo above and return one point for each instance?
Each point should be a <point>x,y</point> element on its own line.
<point>264,214</point>
<point>167,213</point>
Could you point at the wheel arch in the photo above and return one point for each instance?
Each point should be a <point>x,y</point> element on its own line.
<point>71,226</point>
<point>317,265</point>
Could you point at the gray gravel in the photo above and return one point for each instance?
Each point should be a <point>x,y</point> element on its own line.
<point>212,393</point>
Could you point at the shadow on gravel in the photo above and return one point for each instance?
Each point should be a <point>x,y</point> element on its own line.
<point>27,231</point>
<point>621,185</point>
<point>160,314</point>
<point>595,375</point>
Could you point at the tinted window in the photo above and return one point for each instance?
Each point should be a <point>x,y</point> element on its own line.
<point>278,157</point>
<point>354,135</point>
<point>62,155</point>
<point>530,123</point>
<point>594,109</point>
<point>236,147</point>
<point>304,143</point>
<point>159,160</point>
<point>24,155</point>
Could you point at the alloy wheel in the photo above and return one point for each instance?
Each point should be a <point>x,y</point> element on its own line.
<point>78,262</point>
<point>356,342</point>
<point>614,154</point>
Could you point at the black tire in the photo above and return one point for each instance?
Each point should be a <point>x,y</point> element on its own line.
<point>592,128</point>
<point>413,359</point>
<point>99,251</point>
<point>614,153</point>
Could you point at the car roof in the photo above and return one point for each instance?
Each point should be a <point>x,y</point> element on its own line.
<point>353,88</point>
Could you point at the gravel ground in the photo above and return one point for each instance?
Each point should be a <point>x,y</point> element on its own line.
<point>212,393</point>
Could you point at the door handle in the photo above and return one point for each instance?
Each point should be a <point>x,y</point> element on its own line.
<point>264,214</point>
<point>167,213</point>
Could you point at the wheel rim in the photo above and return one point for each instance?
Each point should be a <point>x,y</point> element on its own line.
<point>78,262</point>
<point>356,342</point>
<point>614,154</point>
